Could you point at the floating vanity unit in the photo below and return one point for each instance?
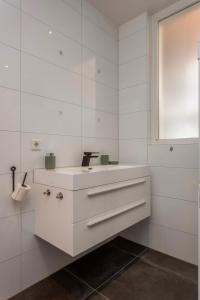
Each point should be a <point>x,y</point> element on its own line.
<point>78,208</point>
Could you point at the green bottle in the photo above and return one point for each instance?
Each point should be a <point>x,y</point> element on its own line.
<point>50,161</point>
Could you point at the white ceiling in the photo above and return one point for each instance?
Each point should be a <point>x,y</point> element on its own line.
<point>121,11</point>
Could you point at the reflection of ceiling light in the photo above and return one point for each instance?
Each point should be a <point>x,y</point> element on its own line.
<point>6,67</point>
<point>50,32</point>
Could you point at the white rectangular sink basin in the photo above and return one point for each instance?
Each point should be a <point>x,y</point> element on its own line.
<point>76,178</point>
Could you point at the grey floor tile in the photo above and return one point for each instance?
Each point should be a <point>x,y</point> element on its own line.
<point>144,282</point>
<point>128,246</point>
<point>60,286</point>
<point>100,265</point>
<point>97,296</point>
<point>171,264</point>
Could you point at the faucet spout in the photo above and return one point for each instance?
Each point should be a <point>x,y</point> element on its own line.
<point>86,158</point>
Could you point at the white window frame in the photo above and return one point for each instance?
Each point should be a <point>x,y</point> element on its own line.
<point>165,13</point>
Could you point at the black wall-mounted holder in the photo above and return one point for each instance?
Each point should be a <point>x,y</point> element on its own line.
<point>13,169</point>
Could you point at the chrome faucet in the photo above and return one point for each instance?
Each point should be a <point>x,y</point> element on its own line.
<point>86,158</point>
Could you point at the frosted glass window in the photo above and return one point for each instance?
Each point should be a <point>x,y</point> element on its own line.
<point>178,74</point>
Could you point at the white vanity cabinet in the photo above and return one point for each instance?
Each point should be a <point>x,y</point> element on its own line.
<point>91,208</point>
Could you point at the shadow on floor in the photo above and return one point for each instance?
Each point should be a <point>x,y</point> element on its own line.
<point>119,270</point>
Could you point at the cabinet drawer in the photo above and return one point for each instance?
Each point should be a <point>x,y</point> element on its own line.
<point>91,202</point>
<point>99,228</point>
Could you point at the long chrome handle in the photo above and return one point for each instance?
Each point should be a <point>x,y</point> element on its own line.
<point>117,212</point>
<point>115,187</point>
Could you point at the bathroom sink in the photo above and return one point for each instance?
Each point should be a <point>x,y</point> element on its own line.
<point>75,178</point>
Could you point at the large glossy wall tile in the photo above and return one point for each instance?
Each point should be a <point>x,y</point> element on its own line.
<point>175,183</point>
<point>10,109</point>
<point>10,242</point>
<point>41,115</point>
<point>44,79</point>
<point>48,44</point>
<point>9,19</point>
<point>140,95</point>
<point>9,151</point>
<point>56,14</point>
<point>10,283</point>
<point>99,96</point>
<point>9,67</point>
<point>99,124</point>
<point>97,68</point>
<point>95,39</point>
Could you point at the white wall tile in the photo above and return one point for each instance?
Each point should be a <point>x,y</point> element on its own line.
<point>138,233</point>
<point>97,68</point>
<point>10,278</point>
<point>10,109</point>
<point>67,150</point>
<point>16,3</point>
<point>103,146</point>
<point>8,207</point>
<point>100,20</point>
<point>46,260</point>
<point>28,205</point>
<point>47,44</point>
<point>133,151</point>
<point>173,213</point>
<point>133,125</point>
<point>98,96</point>
<point>133,26</point>
<point>133,47</point>
<point>29,240</point>
<point>9,151</point>
<point>133,99</point>
<point>10,242</point>
<point>9,19</point>
<point>99,41</point>
<point>185,156</point>
<point>75,4</point>
<point>57,14</point>
<point>175,182</point>
<point>44,79</point>
<point>171,242</point>
<point>49,116</point>
<point>133,73</point>
<point>9,67</point>
<point>99,124</point>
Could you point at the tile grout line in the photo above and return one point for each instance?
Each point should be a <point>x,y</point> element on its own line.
<point>117,273</point>
<point>107,280</point>
<point>166,270</point>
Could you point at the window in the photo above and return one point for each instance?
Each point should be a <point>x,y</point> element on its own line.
<point>178,37</point>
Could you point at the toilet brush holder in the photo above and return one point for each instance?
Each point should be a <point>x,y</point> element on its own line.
<point>20,192</point>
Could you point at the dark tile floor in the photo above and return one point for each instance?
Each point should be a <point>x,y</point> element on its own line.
<point>119,270</point>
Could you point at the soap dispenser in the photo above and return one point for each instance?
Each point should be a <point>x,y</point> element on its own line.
<point>50,161</point>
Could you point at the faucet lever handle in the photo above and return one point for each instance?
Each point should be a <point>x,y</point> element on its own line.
<point>90,153</point>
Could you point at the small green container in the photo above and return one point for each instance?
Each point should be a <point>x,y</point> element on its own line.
<point>104,159</point>
<point>50,161</point>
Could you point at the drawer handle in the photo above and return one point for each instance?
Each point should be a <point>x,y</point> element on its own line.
<point>118,186</point>
<point>116,213</point>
